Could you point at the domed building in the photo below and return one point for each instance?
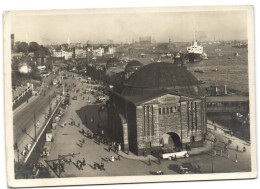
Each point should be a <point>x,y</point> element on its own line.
<point>160,106</point>
<point>132,67</point>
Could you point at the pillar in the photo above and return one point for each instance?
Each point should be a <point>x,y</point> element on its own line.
<point>125,137</point>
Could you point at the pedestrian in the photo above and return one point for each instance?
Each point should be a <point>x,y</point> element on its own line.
<point>83,141</point>
<point>80,166</point>
<point>62,167</point>
<point>149,161</point>
<point>237,148</point>
<point>69,161</point>
<point>83,131</point>
<point>54,166</point>
<point>236,158</point>
<point>95,166</point>
<point>109,148</point>
<point>244,149</point>
<point>228,155</point>
<point>119,146</point>
<point>159,160</point>
<point>112,159</point>
<point>118,157</point>
<point>83,162</point>
<point>102,166</point>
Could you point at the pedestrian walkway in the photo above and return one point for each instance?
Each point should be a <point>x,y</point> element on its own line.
<point>24,147</point>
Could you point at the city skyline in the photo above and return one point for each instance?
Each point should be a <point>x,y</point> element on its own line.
<point>129,26</point>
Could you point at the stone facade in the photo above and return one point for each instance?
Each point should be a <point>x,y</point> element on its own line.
<point>145,126</point>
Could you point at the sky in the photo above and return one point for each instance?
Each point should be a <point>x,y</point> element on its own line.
<point>98,27</point>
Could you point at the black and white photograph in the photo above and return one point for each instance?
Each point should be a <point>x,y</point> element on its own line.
<point>129,95</point>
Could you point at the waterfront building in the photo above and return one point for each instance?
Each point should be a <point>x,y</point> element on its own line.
<point>61,53</point>
<point>98,51</point>
<point>160,106</point>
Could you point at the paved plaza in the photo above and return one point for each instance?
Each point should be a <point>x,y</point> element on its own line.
<point>69,140</point>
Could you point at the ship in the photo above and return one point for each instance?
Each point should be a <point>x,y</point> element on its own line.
<point>195,51</point>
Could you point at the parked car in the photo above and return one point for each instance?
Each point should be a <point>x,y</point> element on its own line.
<point>173,155</point>
<point>186,168</point>
<point>74,98</point>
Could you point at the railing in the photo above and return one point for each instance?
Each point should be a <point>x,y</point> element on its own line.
<point>22,94</point>
<point>42,131</point>
<point>227,108</point>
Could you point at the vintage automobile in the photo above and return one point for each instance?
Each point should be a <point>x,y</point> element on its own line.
<point>174,155</point>
<point>186,168</point>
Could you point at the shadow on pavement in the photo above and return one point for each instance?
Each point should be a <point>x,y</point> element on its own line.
<point>90,117</point>
<point>174,168</point>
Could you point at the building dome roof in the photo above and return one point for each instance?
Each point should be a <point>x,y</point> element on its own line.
<point>161,76</point>
<point>133,63</point>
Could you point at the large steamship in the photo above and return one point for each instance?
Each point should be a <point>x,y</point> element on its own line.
<point>195,51</point>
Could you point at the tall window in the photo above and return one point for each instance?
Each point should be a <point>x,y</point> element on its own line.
<point>196,118</point>
<point>160,111</point>
<point>144,121</point>
<point>163,110</point>
<point>152,123</point>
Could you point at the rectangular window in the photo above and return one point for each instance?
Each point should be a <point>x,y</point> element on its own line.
<point>196,119</point>
<point>192,116</point>
<point>167,110</point>
<point>163,110</point>
<point>144,121</point>
<point>148,121</point>
<point>171,109</point>
<point>152,127</point>
<point>188,113</point>
<point>160,111</point>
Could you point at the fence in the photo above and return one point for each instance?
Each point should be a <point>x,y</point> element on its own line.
<point>22,97</point>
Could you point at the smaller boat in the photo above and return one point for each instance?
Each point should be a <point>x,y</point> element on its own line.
<point>178,55</point>
<point>215,70</point>
<point>199,71</point>
<point>236,54</point>
<point>204,56</point>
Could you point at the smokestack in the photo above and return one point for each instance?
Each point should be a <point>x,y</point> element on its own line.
<point>12,42</point>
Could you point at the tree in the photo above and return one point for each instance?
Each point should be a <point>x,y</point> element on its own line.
<point>33,47</point>
<point>21,47</point>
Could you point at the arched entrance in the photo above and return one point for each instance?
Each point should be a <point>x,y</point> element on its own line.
<point>171,140</point>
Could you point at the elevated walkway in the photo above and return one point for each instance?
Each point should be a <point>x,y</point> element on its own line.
<point>227,104</point>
